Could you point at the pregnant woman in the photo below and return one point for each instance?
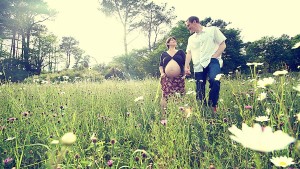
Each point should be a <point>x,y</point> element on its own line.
<point>171,68</point>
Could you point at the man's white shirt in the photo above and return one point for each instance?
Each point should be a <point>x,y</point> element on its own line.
<point>203,45</point>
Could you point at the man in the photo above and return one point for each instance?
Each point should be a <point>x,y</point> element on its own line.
<point>205,47</point>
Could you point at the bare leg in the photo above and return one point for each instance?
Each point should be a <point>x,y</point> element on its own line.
<point>163,104</point>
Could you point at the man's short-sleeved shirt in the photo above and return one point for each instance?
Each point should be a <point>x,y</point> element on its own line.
<point>203,45</point>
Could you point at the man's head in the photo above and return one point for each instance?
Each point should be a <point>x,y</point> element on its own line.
<point>192,23</point>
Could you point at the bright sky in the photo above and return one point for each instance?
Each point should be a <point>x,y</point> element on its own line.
<point>102,37</point>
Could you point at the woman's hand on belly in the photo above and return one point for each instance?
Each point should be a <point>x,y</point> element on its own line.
<point>172,69</point>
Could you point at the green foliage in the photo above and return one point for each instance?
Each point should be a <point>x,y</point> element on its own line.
<point>133,64</point>
<point>151,64</point>
<point>275,53</point>
<point>181,33</point>
<point>232,55</point>
<point>69,46</point>
<point>156,19</point>
<point>67,76</point>
<point>295,61</point>
<point>13,70</point>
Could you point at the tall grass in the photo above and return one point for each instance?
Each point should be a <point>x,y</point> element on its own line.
<point>131,133</point>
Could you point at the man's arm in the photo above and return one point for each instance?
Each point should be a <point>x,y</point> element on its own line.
<point>220,50</point>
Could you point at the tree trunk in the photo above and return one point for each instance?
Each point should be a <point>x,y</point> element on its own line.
<point>125,40</point>
<point>13,46</point>
<point>24,54</point>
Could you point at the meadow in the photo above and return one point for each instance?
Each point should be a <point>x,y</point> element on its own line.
<point>118,124</point>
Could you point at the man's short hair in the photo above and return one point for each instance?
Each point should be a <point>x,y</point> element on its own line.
<point>192,19</point>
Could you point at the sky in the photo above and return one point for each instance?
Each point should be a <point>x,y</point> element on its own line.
<point>102,37</point>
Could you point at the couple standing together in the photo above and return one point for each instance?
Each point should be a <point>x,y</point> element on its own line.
<point>204,47</point>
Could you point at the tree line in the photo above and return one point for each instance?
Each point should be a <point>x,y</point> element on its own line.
<point>27,48</point>
<point>277,53</point>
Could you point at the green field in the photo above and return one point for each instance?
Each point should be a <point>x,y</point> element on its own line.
<point>130,131</point>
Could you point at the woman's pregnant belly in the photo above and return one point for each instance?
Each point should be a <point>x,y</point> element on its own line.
<point>172,69</point>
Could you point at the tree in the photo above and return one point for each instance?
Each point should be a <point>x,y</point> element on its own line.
<point>232,56</point>
<point>44,46</point>
<point>29,14</point>
<point>126,11</point>
<point>274,52</point>
<point>295,61</point>
<point>18,19</point>
<point>85,62</point>
<point>68,45</point>
<point>154,18</point>
<point>77,52</point>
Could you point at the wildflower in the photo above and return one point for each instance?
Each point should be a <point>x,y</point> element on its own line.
<point>262,118</point>
<point>77,156</point>
<point>282,161</point>
<point>68,138</point>
<point>137,158</point>
<point>265,82</point>
<point>8,161</point>
<point>191,80</point>
<point>36,80</point>
<point>65,77</point>
<point>190,92</point>
<point>44,82</point>
<point>254,64</point>
<point>260,139</point>
<point>268,111</point>
<point>10,138</point>
<point>181,108</point>
<point>2,128</point>
<point>144,155</point>
<point>280,73</point>
<point>11,119</point>
<point>25,113</point>
<point>262,96</point>
<point>297,88</point>
<point>212,166</point>
<point>54,142</point>
<point>112,141</point>
<point>298,116</point>
<point>139,99</point>
<point>248,107</point>
<point>163,122</point>
<point>188,112</point>
<point>297,45</point>
<point>94,138</point>
<point>218,77</point>
<point>110,163</point>
<point>177,94</point>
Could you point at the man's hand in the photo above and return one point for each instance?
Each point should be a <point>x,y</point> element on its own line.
<point>187,71</point>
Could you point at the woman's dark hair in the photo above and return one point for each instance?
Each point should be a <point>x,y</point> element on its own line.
<point>192,19</point>
<point>169,39</point>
